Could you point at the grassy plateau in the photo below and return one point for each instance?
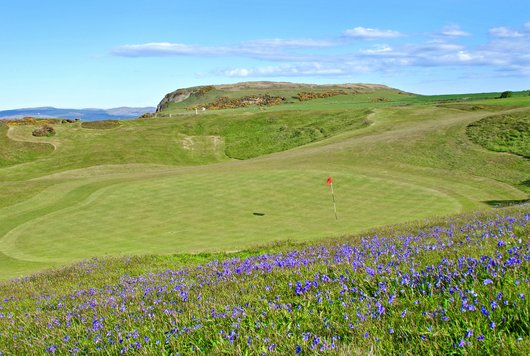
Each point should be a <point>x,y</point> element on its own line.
<point>214,232</point>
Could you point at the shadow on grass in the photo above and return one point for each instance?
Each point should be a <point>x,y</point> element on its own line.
<point>504,203</point>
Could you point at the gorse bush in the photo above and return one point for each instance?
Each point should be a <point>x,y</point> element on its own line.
<point>45,130</point>
<point>506,94</point>
<point>456,288</point>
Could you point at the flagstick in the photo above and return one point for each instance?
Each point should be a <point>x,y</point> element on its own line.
<point>334,205</point>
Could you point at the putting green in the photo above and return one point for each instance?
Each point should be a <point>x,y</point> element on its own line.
<point>218,211</point>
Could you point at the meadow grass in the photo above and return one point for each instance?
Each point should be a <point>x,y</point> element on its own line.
<point>13,152</point>
<point>506,133</point>
<point>455,285</point>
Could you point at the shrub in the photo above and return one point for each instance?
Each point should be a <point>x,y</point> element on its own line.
<point>505,94</point>
<point>45,130</point>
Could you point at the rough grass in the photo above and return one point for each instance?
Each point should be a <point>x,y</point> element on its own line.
<point>256,134</point>
<point>13,152</point>
<point>100,125</point>
<point>504,133</point>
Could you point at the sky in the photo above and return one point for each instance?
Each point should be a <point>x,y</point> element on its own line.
<point>103,54</point>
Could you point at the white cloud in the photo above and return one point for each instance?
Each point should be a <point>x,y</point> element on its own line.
<point>289,70</point>
<point>507,50</point>
<point>378,49</point>
<point>289,43</point>
<point>238,72</point>
<point>505,32</point>
<point>453,31</point>
<point>265,48</point>
<point>165,48</point>
<point>370,33</point>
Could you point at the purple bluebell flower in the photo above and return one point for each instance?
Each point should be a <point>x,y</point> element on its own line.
<point>298,349</point>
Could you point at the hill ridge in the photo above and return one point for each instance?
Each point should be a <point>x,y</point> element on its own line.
<point>182,94</point>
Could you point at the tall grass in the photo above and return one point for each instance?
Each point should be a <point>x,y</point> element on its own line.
<point>503,133</point>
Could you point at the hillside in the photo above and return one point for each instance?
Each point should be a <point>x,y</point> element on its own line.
<point>228,179</point>
<point>202,96</point>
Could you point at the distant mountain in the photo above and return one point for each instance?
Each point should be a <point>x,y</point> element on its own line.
<point>83,114</point>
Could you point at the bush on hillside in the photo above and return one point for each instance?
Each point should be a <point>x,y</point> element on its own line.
<point>225,102</point>
<point>44,131</point>
<point>505,94</point>
<point>305,96</point>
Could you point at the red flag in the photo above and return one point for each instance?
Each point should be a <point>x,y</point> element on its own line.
<point>330,181</point>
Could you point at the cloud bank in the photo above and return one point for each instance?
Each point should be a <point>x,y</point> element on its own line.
<point>359,50</point>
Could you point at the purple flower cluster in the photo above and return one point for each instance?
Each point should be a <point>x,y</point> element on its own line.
<point>317,299</point>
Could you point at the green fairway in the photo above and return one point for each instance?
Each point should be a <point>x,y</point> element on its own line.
<point>218,211</point>
<point>172,185</point>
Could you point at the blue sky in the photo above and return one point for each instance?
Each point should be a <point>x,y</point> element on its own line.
<point>80,54</point>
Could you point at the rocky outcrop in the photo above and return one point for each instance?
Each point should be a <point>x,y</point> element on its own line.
<point>180,95</point>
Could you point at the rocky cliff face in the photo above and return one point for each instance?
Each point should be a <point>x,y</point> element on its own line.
<point>182,94</point>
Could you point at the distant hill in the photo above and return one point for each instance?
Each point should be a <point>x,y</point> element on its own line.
<point>202,95</point>
<point>83,114</point>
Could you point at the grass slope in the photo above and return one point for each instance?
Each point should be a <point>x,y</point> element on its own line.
<point>506,133</point>
<point>169,185</point>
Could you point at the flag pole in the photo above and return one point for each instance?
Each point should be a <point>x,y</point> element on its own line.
<point>330,183</point>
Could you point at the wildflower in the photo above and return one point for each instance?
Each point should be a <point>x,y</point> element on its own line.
<point>298,349</point>
<point>487,281</point>
<point>492,325</point>
<point>494,305</point>
<point>391,330</point>
<point>484,311</point>
<point>404,313</point>
<point>480,337</point>
<point>51,349</point>
<point>469,333</point>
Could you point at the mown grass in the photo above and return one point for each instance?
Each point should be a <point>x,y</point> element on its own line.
<point>457,285</point>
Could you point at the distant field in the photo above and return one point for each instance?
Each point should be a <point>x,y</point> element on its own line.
<point>231,179</point>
